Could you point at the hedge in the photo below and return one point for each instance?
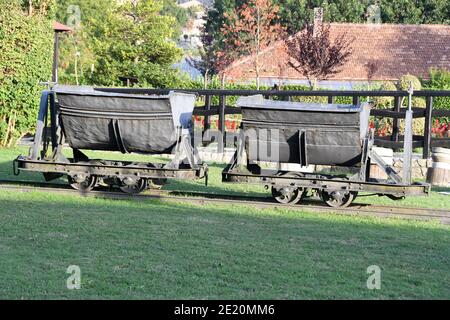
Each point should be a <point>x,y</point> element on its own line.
<point>26,46</point>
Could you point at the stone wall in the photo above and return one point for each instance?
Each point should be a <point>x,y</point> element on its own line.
<point>419,167</point>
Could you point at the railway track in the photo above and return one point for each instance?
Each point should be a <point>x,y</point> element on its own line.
<point>201,198</point>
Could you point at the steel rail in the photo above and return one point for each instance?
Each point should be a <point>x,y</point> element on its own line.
<point>441,215</point>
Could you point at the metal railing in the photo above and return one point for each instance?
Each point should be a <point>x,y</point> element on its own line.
<point>394,141</point>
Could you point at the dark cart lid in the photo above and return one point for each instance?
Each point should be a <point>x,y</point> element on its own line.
<point>258,101</point>
<point>90,91</point>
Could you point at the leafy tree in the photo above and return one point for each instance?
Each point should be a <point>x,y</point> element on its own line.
<point>314,55</point>
<point>26,46</point>
<point>171,9</point>
<point>42,7</point>
<point>76,48</point>
<point>206,63</point>
<point>249,30</point>
<point>133,41</point>
<point>113,40</point>
<point>402,11</point>
<point>439,80</point>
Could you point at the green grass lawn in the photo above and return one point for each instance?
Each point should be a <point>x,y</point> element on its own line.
<point>153,249</point>
<point>130,249</point>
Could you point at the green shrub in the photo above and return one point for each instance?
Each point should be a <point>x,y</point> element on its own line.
<point>439,80</point>
<point>404,84</point>
<point>385,102</point>
<point>406,80</point>
<point>26,47</point>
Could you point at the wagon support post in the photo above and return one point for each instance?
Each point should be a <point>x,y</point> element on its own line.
<point>47,102</point>
<point>427,130</point>
<point>221,142</point>
<point>396,122</point>
<point>407,149</point>
<point>206,121</point>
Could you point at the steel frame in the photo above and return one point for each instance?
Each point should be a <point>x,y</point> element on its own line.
<point>126,169</point>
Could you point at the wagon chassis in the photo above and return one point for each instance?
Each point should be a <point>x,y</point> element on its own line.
<point>108,168</point>
<point>324,182</point>
<point>335,190</point>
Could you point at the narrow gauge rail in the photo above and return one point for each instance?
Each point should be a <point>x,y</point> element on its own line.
<point>411,213</point>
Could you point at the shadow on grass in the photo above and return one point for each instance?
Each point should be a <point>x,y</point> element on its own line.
<point>440,189</point>
<point>133,249</point>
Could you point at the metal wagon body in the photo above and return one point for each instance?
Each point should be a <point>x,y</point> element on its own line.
<point>123,122</point>
<point>327,134</point>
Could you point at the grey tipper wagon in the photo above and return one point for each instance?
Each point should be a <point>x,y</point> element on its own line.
<point>304,134</point>
<point>86,119</point>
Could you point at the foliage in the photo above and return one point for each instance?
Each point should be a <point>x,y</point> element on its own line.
<point>405,82</point>
<point>439,80</point>
<point>41,7</point>
<point>315,56</point>
<point>207,62</point>
<point>132,40</point>
<point>77,59</point>
<point>415,11</point>
<point>181,15</point>
<point>408,79</point>
<point>385,102</point>
<point>115,40</point>
<point>26,46</point>
<point>248,30</point>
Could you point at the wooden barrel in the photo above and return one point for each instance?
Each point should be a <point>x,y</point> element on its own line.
<point>439,173</point>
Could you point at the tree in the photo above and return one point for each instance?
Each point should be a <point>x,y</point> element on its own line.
<point>112,40</point>
<point>315,55</point>
<point>249,30</point>
<point>181,15</point>
<point>295,13</point>
<point>133,40</point>
<point>77,59</point>
<point>207,64</point>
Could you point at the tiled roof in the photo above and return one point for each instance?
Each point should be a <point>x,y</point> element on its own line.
<point>395,50</point>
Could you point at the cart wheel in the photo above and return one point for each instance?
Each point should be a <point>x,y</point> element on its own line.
<point>338,199</point>
<point>135,188</point>
<point>84,184</point>
<point>287,194</point>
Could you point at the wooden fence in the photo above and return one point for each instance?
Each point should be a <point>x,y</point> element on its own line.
<point>394,141</point>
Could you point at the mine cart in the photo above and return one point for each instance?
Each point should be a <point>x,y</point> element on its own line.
<point>85,119</point>
<point>305,134</point>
